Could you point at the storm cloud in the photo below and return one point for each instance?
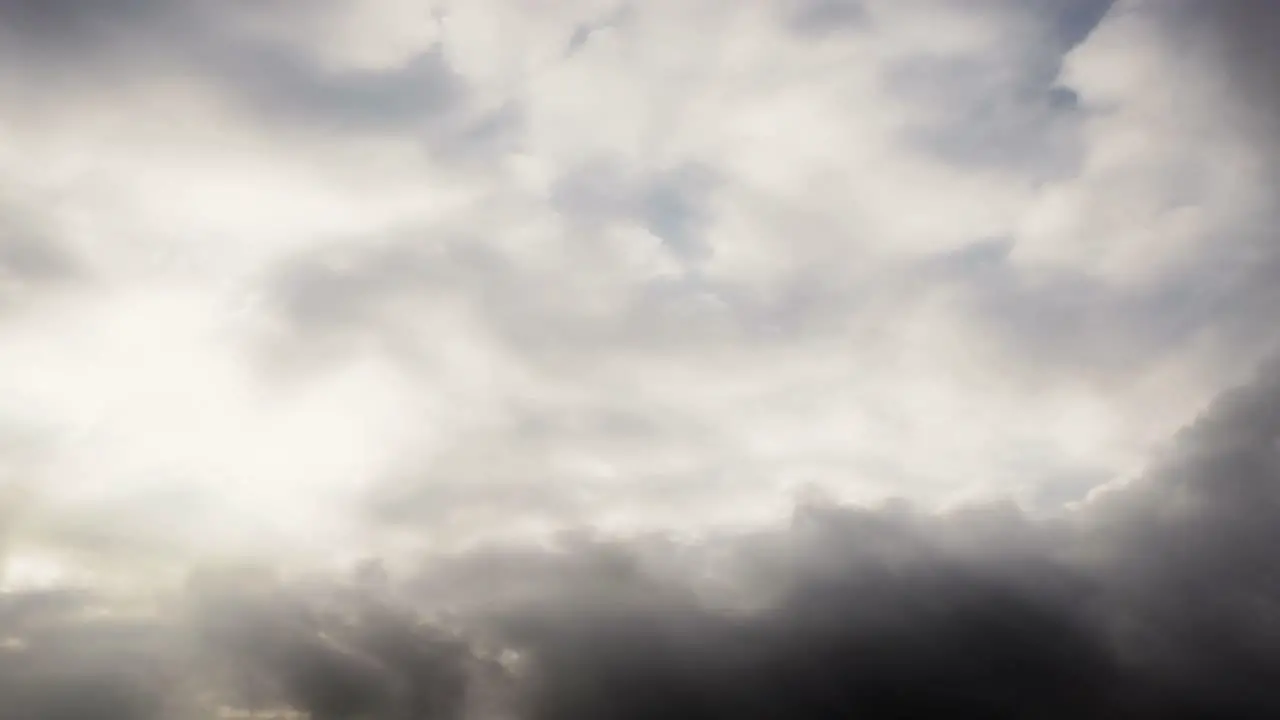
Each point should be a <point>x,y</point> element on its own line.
<point>1157,599</point>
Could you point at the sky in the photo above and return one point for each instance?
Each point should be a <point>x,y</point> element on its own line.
<point>485,288</point>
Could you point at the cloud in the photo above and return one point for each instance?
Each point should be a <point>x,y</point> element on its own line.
<point>559,311</point>
<point>247,57</point>
<point>822,16</point>
<point>672,206</point>
<point>724,239</point>
<point>750,265</point>
<point>1152,600</point>
<point>33,260</point>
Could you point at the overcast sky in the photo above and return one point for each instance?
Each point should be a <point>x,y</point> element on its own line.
<point>716,359</point>
<point>298,276</point>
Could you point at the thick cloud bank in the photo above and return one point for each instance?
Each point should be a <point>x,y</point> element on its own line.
<point>1159,599</point>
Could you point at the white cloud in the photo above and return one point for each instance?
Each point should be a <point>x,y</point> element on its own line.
<point>1167,171</point>
<point>325,274</point>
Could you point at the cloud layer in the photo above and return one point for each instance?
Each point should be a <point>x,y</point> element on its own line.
<point>562,311</point>
<point>1156,600</point>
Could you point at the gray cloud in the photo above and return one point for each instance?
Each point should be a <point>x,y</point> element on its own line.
<point>1158,599</point>
<point>617,17</point>
<point>818,17</point>
<point>999,111</point>
<point>1072,320</point>
<point>1081,320</point>
<point>1071,22</point>
<point>990,117</point>
<point>32,257</point>
<point>1242,276</point>
<point>1155,600</point>
<point>34,260</point>
<point>281,83</point>
<point>672,205</point>
<point>520,307</point>
<point>1005,108</point>
<point>77,46</point>
<point>77,27</point>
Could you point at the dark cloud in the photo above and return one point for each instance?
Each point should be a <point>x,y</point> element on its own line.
<point>58,661</point>
<point>238,640</point>
<point>1156,600</point>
